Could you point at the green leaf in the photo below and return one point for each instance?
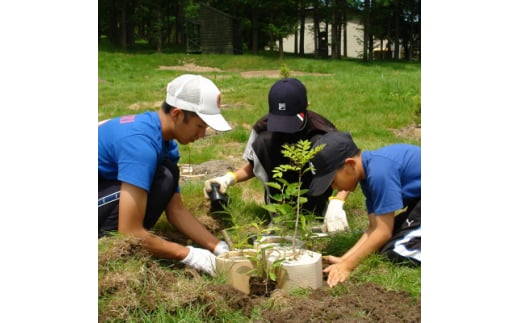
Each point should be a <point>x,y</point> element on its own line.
<point>284,181</point>
<point>274,185</point>
<point>271,207</point>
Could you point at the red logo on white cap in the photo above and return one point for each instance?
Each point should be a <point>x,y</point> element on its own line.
<point>218,100</point>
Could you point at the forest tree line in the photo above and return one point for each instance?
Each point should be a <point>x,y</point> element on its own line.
<point>265,23</point>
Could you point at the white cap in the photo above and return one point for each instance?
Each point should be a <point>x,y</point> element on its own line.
<point>200,95</point>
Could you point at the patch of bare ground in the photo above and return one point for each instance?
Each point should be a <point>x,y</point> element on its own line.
<point>363,302</point>
<point>190,67</point>
<point>276,74</point>
<point>413,131</point>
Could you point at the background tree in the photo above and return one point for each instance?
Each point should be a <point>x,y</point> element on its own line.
<point>116,21</point>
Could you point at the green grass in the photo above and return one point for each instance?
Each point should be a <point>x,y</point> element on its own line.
<point>369,100</point>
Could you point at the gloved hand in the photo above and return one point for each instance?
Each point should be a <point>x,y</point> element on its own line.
<point>201,259</point>
<point>221,248</point>
<point>335,217</point>
<point>224,181</point>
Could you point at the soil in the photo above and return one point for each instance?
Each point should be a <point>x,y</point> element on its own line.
<point>259,287</point>
<point>364,302</point>
<point>190,67</point>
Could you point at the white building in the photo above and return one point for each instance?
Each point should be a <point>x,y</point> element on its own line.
<point>354,39</point>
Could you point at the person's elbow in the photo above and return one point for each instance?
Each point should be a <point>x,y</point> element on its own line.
<point>131,229</point>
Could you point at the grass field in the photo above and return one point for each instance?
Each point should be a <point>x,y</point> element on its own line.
<point>372,101</point>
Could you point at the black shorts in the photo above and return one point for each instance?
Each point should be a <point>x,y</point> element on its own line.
<point>163,187</point>
<point>405,244</point>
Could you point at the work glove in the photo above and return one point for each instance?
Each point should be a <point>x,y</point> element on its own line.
<point>335,217</point>
<point>224,182</point>
<point>221,248</point>
<point>201,259</point>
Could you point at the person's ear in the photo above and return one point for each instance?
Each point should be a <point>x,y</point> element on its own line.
<point>350,163</point>
<point>176,114</point>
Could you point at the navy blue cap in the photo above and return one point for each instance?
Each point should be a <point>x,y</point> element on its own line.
<point>338,147</point>
<point>287,106</point>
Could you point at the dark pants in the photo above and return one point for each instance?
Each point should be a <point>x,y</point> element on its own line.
<point>163,187</point>
<point>405,244</point>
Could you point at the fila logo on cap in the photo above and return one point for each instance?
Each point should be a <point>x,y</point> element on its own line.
<point>281,106</point>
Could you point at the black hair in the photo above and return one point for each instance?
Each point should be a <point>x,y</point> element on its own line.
<point>187,114</point>
<point>166,107</point>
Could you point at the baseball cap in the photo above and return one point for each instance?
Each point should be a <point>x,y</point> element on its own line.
<point>287,106</point>
<point>338,147</point>
<point>198,94</point>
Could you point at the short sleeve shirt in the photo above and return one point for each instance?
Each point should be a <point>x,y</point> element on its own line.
<point>131,147</point>
<point>392,176</point>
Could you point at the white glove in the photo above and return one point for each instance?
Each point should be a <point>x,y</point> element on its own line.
<point>224,181</point>
<point>201,259</point>
<point>335,217</point>
<point>221,248</point>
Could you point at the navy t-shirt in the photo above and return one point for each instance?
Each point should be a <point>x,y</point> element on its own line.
<point>392,175</point>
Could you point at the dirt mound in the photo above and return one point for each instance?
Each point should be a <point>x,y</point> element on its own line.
<point>363,302</point>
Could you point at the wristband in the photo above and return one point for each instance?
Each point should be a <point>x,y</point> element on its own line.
<point>234,176</point>
<point>336,198</point>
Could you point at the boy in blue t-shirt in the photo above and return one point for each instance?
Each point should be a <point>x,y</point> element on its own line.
<point>390,178</point>
<point>138,176</point>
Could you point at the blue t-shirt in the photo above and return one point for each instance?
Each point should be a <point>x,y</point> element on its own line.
<point>392,175</point>
<point>131,147</point>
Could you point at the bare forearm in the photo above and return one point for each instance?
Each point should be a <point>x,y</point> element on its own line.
<point>244,173</point>
<point>159,247</point>
<point>361,250</point>
<point>358,244</point>
<point>378,232</point>
<point>165,249</point>
<point>187,224</point>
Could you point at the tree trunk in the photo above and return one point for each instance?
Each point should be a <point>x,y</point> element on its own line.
<point>254,32</point>
<point>280,46</point>
<point>179,24</point>
<point>334,33</point>
<point>122,28</point>
<point>316,31</point>
<point>296,40</point>
<point>397,30</point>
<point>366,31</point>
<point>345,25</point>
<point>371,47</point>
<point>302,29</point>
